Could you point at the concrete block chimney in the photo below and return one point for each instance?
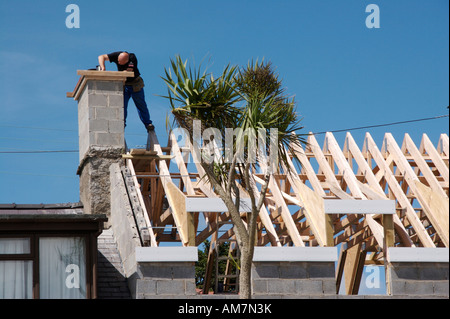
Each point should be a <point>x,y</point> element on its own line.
<point>101,134</point>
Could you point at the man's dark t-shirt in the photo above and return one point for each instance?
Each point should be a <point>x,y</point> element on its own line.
<point>132,64</point>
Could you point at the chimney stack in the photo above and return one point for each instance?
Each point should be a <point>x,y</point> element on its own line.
<point>101,134</point>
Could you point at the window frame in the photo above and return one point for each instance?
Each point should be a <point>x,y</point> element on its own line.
<point>88,227</point>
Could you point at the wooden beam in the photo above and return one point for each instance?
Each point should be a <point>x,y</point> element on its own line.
<point>443,145</point>
<point>306,166</point>
<point>138,151</point>
<point>329,229</point>
<point>437,214</point>
<point>286,215</point>
<point>142,203</point>
<point>325,167</point>
<point>353,268</point>
<point>389,234</point>
<point>312,202</point>
<point>174,196</point>
<point>423,166</point>
<point>264,216</point>
<point>148,157</point>
<point>396,189</point>
<point>352,183</point>
<point>181,166</point>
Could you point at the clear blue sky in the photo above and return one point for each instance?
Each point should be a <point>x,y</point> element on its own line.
<point>343,74</point>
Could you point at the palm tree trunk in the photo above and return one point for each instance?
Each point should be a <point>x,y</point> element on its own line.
<point>245,279</point>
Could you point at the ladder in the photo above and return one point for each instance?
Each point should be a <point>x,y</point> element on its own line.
<point>230,275</point>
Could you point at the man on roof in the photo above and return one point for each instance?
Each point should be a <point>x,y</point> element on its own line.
<point>134,86</point>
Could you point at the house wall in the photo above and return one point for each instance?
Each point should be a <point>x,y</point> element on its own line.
<point>151,272</point>
<point>419,272</point>
<point>165,280</point>
<point>420,280</point>
<point>294,272</point>
<point>123,225</point>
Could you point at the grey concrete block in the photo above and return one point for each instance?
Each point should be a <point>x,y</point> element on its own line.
<point>103,87</point>
<point>432,272</point>
<point>105,113</point>
<point>441,288</point>
<point>405,271</point>
<point>120,114</point>
<point>398,287</point>
<point>184,270</point>
<point>321,270</point>
<point>281,286</point>
<point>97,100</point>
<point>116,126</point>
<point>293,270</point>
<point>308,287</point>
<point>145,286</point>
<point>149,270</point>
<point>415,287</point>
<point>259,287</point>
<point>116,101</point>
<point>329,286</point>
<point>170,287</point>
<point>109,139</point>
<point>190,287</point>
<point>98,125</point>
<point>82,101</point>
<point>265,270</point>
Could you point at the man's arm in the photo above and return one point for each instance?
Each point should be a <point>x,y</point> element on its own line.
<point>101,61</point>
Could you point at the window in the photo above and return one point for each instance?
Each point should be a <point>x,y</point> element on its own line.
<point>59,264</point>
<point>48,252</point>
<point>16,276</point>
<point>14,246</point>
<point>62,268</point>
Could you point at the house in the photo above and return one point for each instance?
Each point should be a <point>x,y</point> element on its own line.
<point>137,230</point>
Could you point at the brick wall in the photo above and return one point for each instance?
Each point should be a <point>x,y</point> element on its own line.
<point>295,279</point>
<point>111,280</point>
<point>101,140</point>
<point>101,115</point>
<point>420,279</point>
<point>166,280</point>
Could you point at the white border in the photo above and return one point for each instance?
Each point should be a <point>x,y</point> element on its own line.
<point>207,204</point>
<point>166,254</point>
<point>419,254</point>
<point>339,206</point>
<point>295,254</point>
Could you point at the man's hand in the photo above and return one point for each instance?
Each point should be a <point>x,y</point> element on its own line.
<point>101,61</point>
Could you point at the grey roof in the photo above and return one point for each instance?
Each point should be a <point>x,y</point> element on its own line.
<point>46,209</point>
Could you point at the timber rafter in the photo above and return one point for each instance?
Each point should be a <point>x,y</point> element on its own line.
<point>415,176</point>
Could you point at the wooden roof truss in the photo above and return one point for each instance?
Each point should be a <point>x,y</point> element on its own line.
<point>417,178</point>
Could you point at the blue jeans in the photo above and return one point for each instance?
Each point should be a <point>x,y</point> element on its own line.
<point>139,101</point>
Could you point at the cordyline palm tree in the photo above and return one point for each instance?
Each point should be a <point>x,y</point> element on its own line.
<point>252,100</point>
